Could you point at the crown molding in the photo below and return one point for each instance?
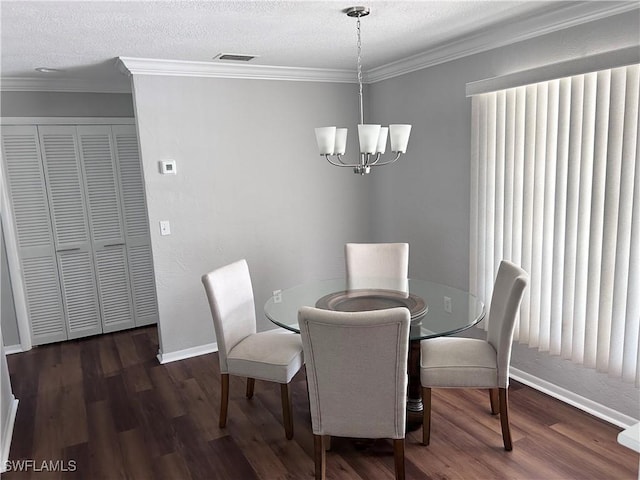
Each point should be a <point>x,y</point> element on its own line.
<point>150,66</point>
<point>75,85</point>
<point>67,121</point>
<point>565,15</point>
<point>561,16</point>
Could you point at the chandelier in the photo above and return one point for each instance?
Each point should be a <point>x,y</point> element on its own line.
<point>332,141</point>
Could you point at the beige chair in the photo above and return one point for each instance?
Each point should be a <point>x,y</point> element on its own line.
<point>272,356</point>
<point>356,366</point>
<point>377,260</point>
<point>451,362</point>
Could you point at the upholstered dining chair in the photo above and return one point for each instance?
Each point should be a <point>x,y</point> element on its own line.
<point>377,265</point>
<point>374,260</point>
<point>356,366</point>
<point>273,356</point>
<point>452,362</point>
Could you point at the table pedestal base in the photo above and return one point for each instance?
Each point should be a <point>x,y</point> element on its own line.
<point>414,398</point>
<point>414,414</point>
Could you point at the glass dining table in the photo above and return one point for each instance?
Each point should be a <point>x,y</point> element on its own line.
<point>436,310</point>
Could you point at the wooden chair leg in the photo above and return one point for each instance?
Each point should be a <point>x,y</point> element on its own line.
<point>398,457</point>
<point>251,382</point>
<point>319,457</point>
<point>504,419</point>
<point>426,415</point>
<point>493,398</point>
<point>287,417</point>
<point>224,399</point>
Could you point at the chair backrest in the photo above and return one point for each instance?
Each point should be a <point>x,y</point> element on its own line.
<point>356,371</point>
<point>375,260</point>
<point>508,290</point>
<point>230,295</point>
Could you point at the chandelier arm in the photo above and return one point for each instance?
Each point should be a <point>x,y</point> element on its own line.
<point>339,157</point>
<point>341,164</point>
<point>375,162</point>
<point>398,155</point>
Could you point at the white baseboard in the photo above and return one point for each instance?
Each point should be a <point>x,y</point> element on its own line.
<point>187,353</point>
<point>7,433</point>
<point>9,349</point>
<point>596,409</point>
<point>199,350</point>
<point>630,438</point>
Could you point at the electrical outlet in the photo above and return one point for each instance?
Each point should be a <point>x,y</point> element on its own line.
<point>447,304</point>
<point>277,296</point>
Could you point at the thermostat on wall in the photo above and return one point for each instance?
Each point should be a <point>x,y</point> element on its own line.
<point>168,167</point>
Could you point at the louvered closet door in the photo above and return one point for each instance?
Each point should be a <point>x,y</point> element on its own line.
<point>26,188</point>
<point>106,226</point>
<point>138,238</point>
<point>62,169</point>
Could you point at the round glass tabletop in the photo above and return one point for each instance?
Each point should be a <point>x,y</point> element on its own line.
<point>436,309</point>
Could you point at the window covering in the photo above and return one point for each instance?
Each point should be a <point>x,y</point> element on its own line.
<point>591,63</point>
<point>555,188</point>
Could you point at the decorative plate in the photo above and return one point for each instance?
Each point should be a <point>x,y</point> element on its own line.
<point>372,299</point>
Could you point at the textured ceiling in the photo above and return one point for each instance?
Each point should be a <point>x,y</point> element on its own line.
<point>83,38</point>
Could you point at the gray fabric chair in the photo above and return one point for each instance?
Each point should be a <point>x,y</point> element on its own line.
<point>356,366</point>
<point>452,362</point>
<point>273,356</point>
<point>377,260</point>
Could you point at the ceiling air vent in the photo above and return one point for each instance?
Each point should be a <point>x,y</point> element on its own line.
<point>235,57</point>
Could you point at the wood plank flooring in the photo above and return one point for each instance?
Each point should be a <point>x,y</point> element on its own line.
<point>104,408</point>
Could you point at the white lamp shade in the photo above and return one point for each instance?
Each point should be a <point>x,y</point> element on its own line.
<point>326,138</point>
<point>341,141</point>
<point>399,137</point>
<point>368,136</point>
<point>382,140</point>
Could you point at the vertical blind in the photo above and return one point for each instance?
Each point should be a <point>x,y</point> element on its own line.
<point>555,188</point>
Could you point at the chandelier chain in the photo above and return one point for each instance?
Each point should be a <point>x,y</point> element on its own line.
<point>359,66</point>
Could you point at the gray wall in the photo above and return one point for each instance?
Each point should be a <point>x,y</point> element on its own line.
<point>65,104</point>
<point>249,184</point>
<point>8,319</point>
<point>426,196</point>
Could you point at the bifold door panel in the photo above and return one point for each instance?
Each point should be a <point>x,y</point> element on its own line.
<point>79,209</point>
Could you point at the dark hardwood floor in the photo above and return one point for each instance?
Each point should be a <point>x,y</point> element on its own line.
<point>104,408</point>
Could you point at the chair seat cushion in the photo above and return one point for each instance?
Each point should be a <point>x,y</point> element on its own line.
<point>273,356</point>
<point>451,362</point>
